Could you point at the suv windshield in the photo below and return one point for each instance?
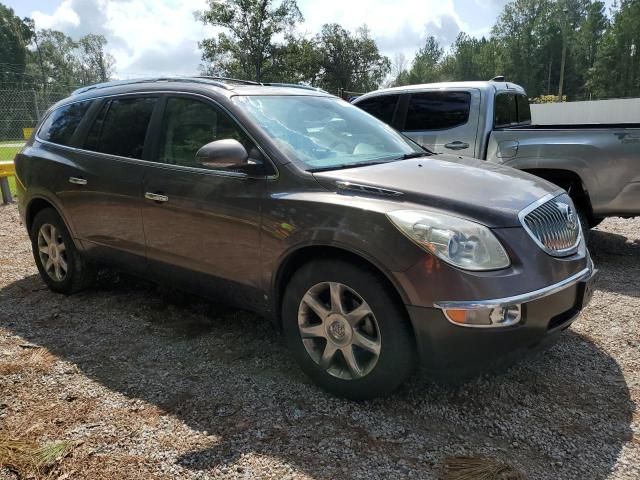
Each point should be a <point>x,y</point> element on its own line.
<point>321,133</point>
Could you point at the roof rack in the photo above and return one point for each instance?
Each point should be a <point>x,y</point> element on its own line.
<point>294,85</point>
<point>117,83</point>
<point>230,80</point>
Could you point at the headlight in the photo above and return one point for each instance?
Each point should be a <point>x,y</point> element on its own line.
<point>460,242</point>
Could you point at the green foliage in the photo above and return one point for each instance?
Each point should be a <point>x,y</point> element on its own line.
<point>350,61</point>
<point>247,48</point>
<point>15,36</point>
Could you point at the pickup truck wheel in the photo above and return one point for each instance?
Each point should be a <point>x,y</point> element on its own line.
<point>59,263</point>
<point>584,222</point>
<point>346,330</point>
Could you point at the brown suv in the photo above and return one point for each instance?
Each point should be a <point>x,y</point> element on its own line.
<point>369,253</point>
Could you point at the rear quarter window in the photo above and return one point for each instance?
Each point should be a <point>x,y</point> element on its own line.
<point>437,110</point>
<point>62,123</point>
<point>382,107</point>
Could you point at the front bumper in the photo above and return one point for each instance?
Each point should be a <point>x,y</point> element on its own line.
<point>452,349</point>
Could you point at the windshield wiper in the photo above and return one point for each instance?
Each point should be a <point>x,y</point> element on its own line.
<point>343,166</point>
<point>408,156</point>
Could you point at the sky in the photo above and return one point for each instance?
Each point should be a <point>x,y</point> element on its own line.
<point>149,37</point>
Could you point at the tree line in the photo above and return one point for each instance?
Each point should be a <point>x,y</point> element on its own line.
<point>49,60</point>
<point>568,48</point>
<point>572,48</point>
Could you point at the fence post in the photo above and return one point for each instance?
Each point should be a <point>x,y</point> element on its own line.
<point>6,192</point>
<point>35,102</point>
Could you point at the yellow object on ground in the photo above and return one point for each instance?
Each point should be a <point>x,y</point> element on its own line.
<point>27,132</point>
<point>7,169</point>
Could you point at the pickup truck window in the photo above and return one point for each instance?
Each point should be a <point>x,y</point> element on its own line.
<point>60,126</point>
<point>437,110</point>
<point>524,110</point>
<point>511,110</point>
<point>382,107</point>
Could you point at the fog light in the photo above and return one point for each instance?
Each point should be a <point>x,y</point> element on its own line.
<point>485,317</point>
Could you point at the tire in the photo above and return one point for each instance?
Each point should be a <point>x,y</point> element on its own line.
<point>384,329</point>
<point>584,221</point>
<point>50,240</point>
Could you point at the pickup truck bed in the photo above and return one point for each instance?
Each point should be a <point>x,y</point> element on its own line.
<point>598,164</point>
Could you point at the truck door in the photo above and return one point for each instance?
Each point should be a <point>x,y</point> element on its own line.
<point>443,121</point>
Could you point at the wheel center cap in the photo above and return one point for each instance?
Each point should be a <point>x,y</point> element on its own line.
<point>339,330</point>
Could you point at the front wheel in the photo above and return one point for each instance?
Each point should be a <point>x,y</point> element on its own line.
<point>346,330</point>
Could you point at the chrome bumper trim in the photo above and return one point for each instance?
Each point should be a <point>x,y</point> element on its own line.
<point>582,275</point>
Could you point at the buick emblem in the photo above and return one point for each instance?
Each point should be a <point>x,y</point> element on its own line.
<point>569,215</point>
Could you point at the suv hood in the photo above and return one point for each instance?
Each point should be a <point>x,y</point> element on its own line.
<point>485,192</point>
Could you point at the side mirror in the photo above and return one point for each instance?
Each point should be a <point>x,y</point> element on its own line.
<point>228,153</point>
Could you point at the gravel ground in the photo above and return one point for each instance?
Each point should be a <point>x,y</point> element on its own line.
<point>143,383</point>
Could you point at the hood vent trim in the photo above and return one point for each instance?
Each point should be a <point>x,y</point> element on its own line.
<point>372,190</point>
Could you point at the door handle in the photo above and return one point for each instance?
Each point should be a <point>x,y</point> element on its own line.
<point>156,197</point>
<point>457,145</point>
<point>77,181</point>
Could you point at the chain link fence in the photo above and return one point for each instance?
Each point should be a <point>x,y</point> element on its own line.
<point>20,111</point>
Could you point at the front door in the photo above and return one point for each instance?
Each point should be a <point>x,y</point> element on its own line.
<point>202,225</point>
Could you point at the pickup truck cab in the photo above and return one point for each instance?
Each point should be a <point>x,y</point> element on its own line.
<point>598,164</point>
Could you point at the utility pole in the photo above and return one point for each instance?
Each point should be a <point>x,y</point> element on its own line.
<point>563,28</point>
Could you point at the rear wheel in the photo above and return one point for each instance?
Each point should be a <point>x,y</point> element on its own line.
<point>59,262</point>
<point>346,330</point>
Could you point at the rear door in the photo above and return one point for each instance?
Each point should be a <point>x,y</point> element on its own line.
<point>103,189</point>
<point>203,225</point>
<point>445,121</point>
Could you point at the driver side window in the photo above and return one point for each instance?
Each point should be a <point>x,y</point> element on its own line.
<point>189,124</point>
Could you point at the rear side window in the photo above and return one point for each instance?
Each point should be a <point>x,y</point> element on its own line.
<point>437,110</point>
<point>60,126</point>
<point>382,107</point>
<point>524,110</point>
<point>511,109</point>
<point>121,127</point>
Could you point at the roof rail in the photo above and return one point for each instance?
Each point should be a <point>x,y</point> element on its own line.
<point>295,85</point>
<point>229,79</point>
<point>499,78</point>
<point>117,83</point>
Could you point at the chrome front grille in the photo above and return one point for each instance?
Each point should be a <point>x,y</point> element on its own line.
<point>553,224</point>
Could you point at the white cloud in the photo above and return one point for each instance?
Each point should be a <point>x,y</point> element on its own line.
<point>160,36</point>
<point>145,36</point>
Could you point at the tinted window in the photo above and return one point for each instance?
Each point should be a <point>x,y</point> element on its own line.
<point>189,124</point>
<point>506,111</point>
<point>121,127</point>
<point>524,110</point>
<point>437,110</point>
<point>380,107</point>
<point>60,126</point>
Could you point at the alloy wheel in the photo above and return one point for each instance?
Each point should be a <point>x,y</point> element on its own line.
<point>339,330</point>
<point>52,252</point>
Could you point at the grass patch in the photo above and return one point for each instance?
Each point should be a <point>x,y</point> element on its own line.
<point>39,360</point>
<point>27,458</point>
<point>479,468</point>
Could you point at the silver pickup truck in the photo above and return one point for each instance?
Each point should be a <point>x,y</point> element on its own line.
<point>598,164</point>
